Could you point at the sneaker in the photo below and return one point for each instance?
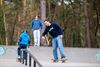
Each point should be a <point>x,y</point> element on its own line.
<point>18,56</point>
<point>63,58</point>
<point>36,46</point>
<point>55,61</point>
<point>18,59</point>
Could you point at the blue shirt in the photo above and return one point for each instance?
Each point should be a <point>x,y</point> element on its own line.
<point>36,24</point>
<point>24,39</point>
<point>54,30</point>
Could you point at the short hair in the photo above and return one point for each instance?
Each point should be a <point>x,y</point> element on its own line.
<point>38,16</point>
<point>46,19</point>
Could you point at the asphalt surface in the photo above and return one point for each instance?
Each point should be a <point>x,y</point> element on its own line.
<point>9,58</point>
<point>77,57</point>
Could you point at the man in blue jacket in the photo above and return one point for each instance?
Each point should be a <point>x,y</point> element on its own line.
<point>23,41</point>
<point>56,32</point>
<point>36,26</point>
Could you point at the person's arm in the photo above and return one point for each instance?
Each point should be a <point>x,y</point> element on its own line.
<point>29,40</point>
<point>44,33</point>
<point>19,40</point>
<point>41,24</point>
<point>32,23</point>
<point>28,44</point>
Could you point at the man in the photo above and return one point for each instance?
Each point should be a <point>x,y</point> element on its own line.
<point>56,32</point>
<point>36,26</point>
<point>23,41</point>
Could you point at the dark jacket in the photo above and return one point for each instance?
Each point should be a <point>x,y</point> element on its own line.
<point>54,30</point>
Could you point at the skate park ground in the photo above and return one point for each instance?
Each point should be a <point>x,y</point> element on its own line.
<point>77,57</point>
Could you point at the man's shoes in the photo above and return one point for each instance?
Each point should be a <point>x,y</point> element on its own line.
<point>55,61</point>
<point>63,58</point>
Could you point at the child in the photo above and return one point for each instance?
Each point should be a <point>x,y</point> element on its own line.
<point>23,41</point>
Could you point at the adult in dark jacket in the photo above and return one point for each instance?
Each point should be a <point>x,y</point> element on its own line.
<point>56,32</point>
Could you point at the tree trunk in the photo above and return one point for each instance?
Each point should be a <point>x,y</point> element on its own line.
<point>43,9</point>
<point>1,2</point>
<point>90,25</point>
<point>76,42</point>
<point>6,37</point>
<point>43,16</point>
<point>24,13</point>
<point>2,24</point>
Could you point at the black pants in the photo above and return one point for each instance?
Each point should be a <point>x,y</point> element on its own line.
<point>19,49</point>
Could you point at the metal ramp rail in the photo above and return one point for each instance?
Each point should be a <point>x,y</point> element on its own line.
<point>28,59</point>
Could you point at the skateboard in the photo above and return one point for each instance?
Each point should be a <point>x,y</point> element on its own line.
<point>62,60</point>
<point>19,59</point>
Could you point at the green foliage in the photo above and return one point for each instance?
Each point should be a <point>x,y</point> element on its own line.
<point>69,13</point>
<point>2,30</point>
<point>71,16</point>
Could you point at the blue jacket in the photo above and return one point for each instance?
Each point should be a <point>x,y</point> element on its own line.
<point>36,24</point>
<point>24,39</point>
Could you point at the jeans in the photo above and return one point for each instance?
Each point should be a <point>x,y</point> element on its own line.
<point>19,49</point>
<point>36,34</point>
<point>57,43</point>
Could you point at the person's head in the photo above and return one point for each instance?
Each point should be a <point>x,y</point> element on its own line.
<point>24,31</point>
<point>47,22</point>
<point>36,17</point>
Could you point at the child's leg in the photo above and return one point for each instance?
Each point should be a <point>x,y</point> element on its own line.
<point>18,50</point>
<point>24,52</point>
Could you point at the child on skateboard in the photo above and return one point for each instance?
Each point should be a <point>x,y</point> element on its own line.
<point>56,32</point>
<point>23,42</point>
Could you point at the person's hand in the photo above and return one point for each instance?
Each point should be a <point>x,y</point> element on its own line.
<point>28,46</point>
<point>32,29</point>
<point>41,29</point>
<point>43,37</point>
<point>16,44</point>
<point>61,36</point>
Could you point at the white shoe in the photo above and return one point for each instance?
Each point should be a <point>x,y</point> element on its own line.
<point>18,56</point>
